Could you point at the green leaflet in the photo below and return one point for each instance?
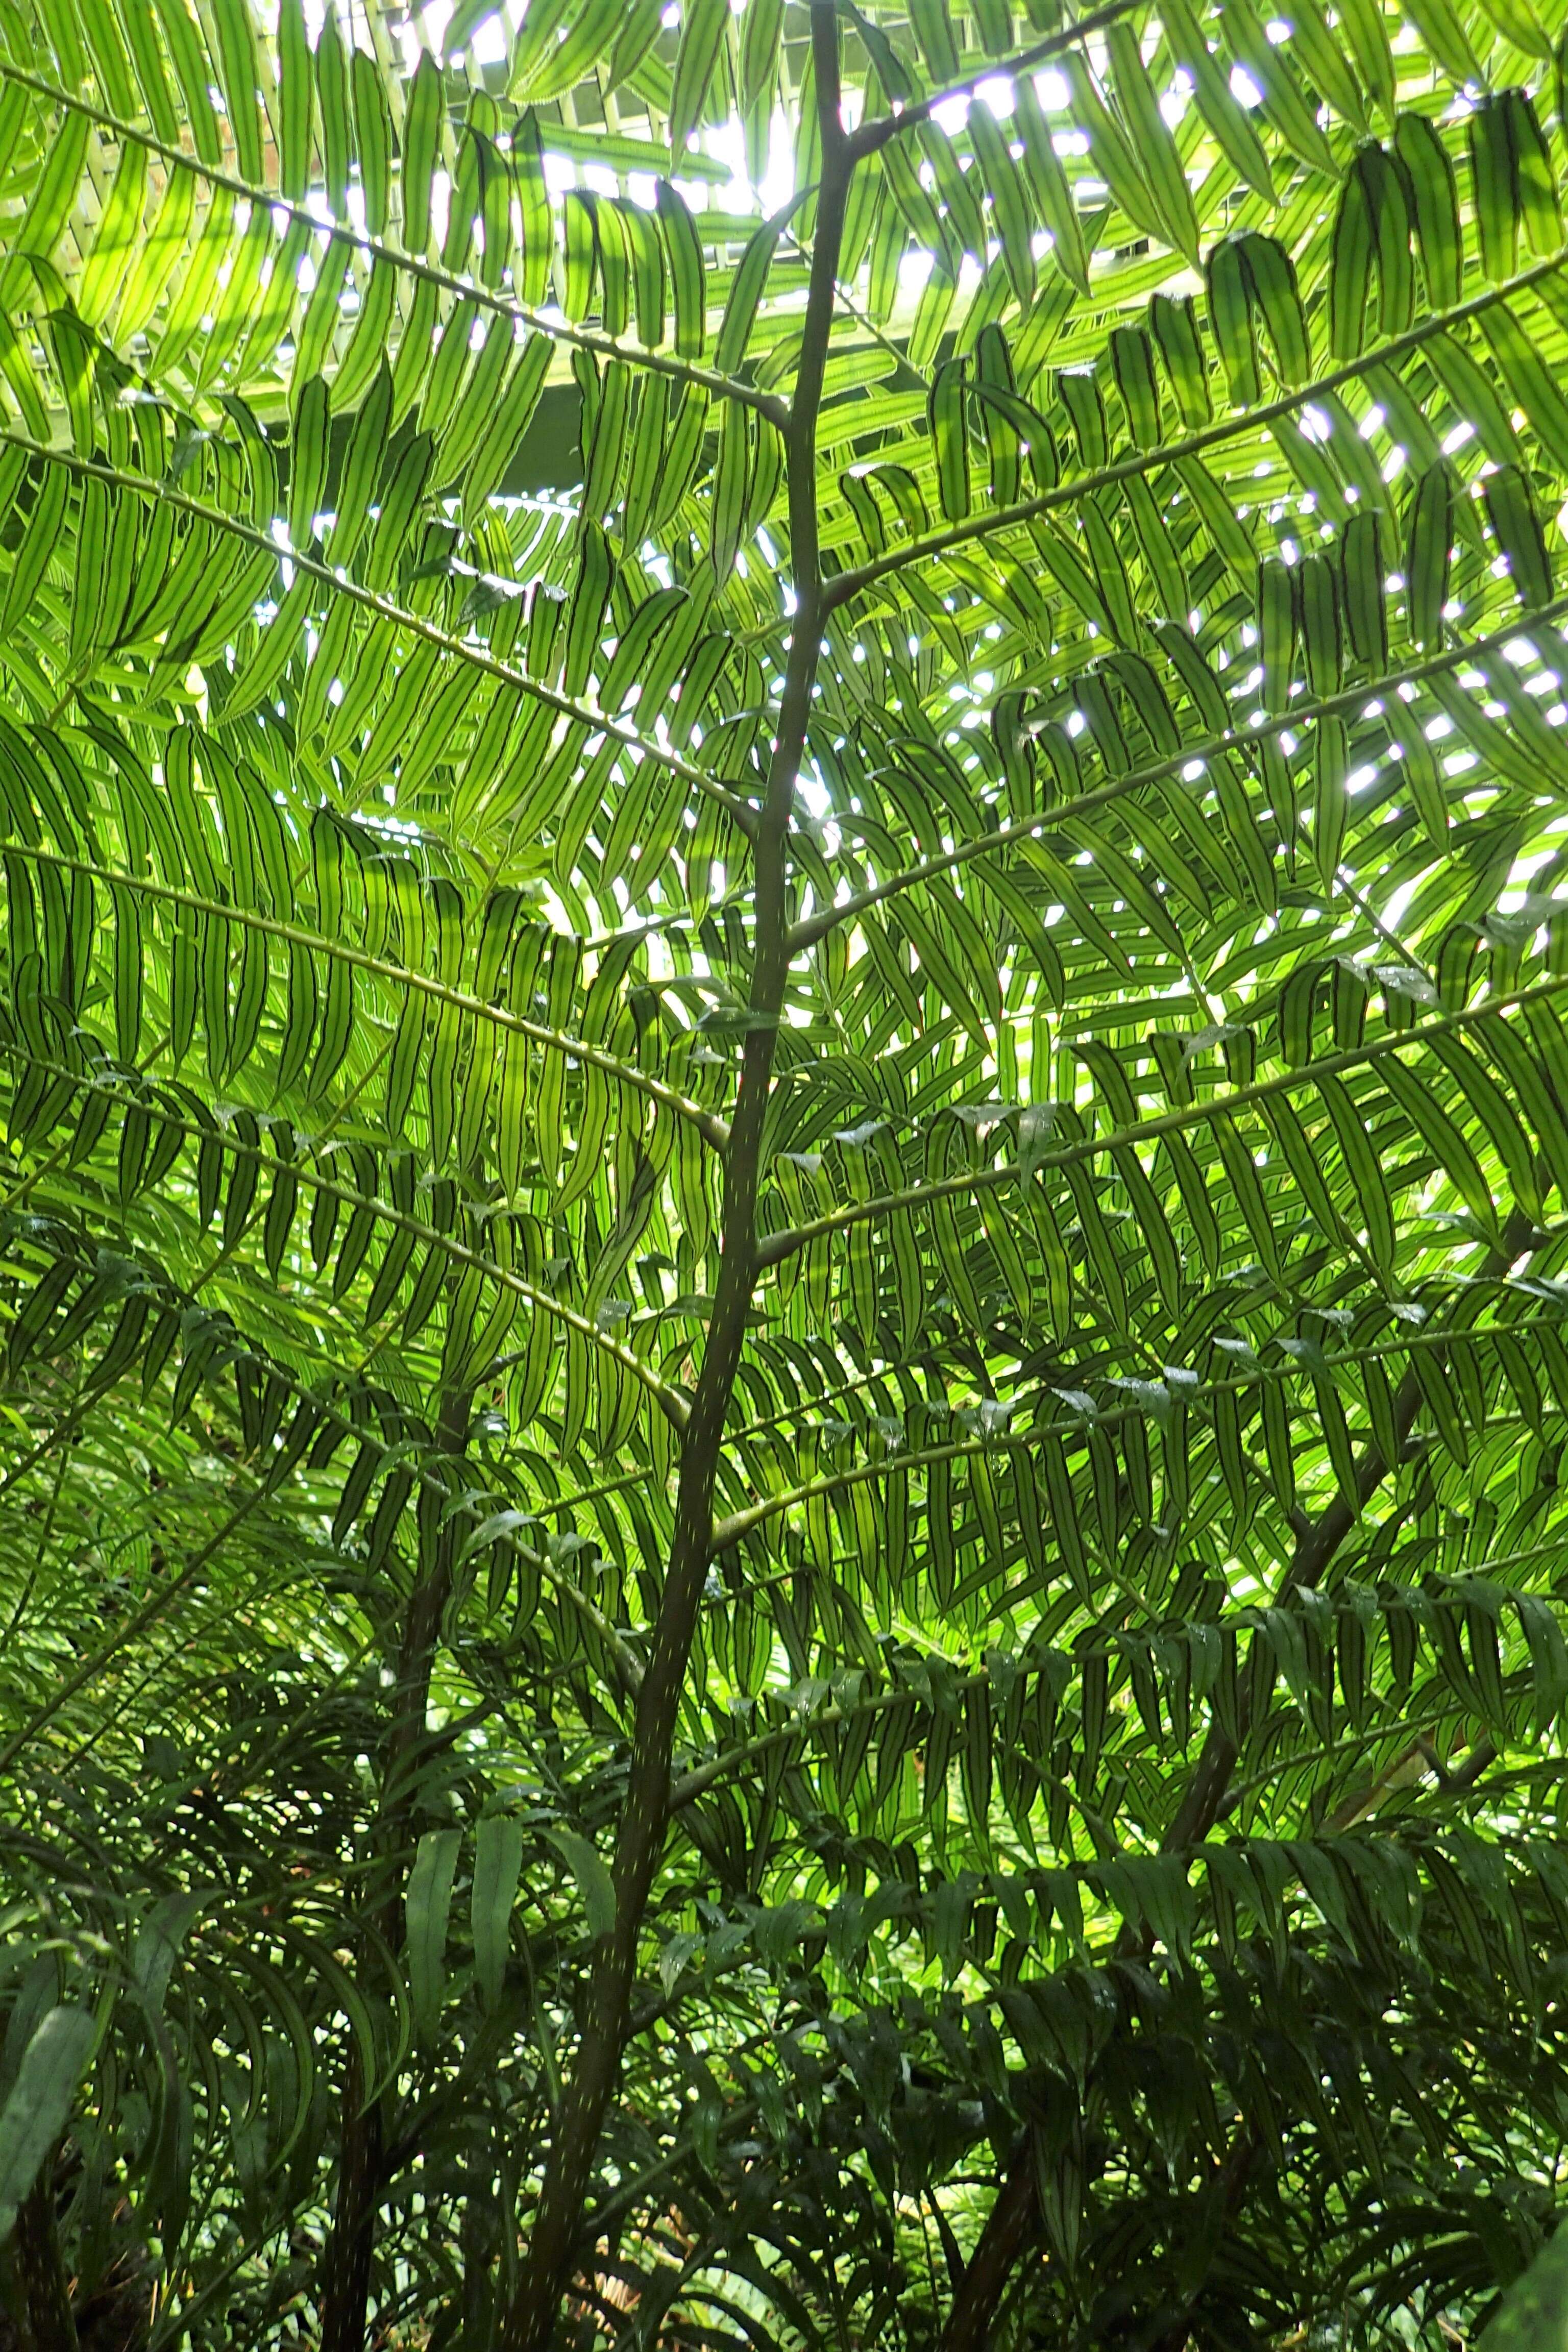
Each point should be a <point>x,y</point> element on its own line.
<point>487,467</point>
<point>1230,316</point>
<point>1284,103</point>
<point>1361,1166</point>
<point>39,2101</point>
<point>498,1864</point>
<point>1511,512</point>
<point>39,542</point>
<point>1443,29</point>
<point>1117,159</point>
<point>116,238</point>
<point>1152,144</point>
<point>309,458</point>
<point>1049,187</point>
<point>295,96</point>
<point>950,436</point>
<point>1227,120</point>
<point>427,1906</point>
<point>373,131</point>
<point>1009,207</point>
<point>588,38</point>
<point>1331,61</point>
<point>687,280</point>
<point>596,572</point>
<point>592,1879</point>
<point>192,73</point>
<point>237,63</point>
<point>745,295</point>
<point>421,127</point>
<point>933,28</point>
<point>702,28</point>
<point>1427,555</point>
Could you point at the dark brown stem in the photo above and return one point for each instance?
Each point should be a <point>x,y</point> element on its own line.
<point>42,2289</point>
<point>530,2319</point>
<point>362,2166</point>
<point>1010,2226</point>
<point>350,2249</point>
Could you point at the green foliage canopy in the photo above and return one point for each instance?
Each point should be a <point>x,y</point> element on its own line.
<point>783,796</point>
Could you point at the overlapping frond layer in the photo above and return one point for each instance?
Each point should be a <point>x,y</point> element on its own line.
<point>785,1028</point>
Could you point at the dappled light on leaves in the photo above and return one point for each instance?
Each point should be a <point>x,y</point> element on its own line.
<point>783,1031</point>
